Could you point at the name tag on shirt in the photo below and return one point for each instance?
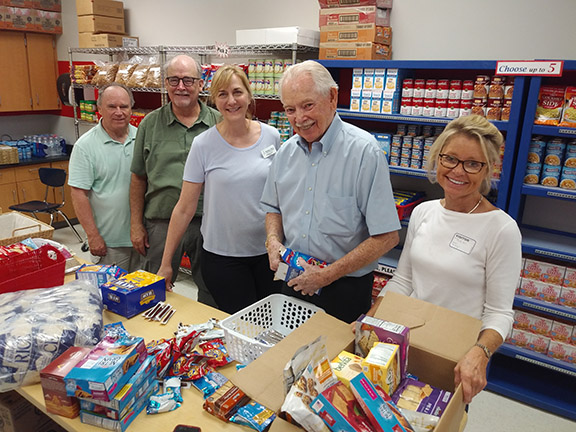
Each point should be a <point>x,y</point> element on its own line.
<point>268,151</point>
<point>462,243</point>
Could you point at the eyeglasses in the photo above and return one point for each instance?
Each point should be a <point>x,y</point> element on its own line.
<point>187,81</point>
<point>470,166</point>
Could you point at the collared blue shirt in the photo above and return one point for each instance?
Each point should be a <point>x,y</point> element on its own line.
<point>334,196</point>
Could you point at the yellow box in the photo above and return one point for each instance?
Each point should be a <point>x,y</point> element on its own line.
<point>106,40</point>
<point>100,24</point>
<point>346,366</point>
<point>382,366</point>
<point>109,8</point>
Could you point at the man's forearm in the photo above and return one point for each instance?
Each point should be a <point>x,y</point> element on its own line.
<point>83,211</point>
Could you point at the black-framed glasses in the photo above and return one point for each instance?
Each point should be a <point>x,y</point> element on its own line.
<point>187,81</point>
<point>470,166</point>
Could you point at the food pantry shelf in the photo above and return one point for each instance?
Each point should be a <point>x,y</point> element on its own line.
<point>547,244</point>
<point>552,310</point>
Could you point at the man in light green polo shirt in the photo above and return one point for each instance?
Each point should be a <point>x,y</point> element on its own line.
<point>100,179</point>
<point>162,145</point>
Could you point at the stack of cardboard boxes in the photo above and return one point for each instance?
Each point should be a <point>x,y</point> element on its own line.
<point>38,16</point>
<point>355,29</point>
<point>101,24</point>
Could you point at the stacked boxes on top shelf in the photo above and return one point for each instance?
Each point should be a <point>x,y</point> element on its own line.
<point>101,24</point>
<point>37,16</point>
<point>355,29</point>
<point>376,90</point>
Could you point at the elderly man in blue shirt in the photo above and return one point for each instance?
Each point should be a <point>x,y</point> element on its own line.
<point>328,195</point>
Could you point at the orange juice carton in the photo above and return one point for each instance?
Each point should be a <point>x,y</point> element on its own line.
<point>133,293</point>
<point>106,368</point>
<point>570,277</point>
<point>567,297</point>
<point>561,332</point>
<point>54,387</point>
<point>346,366</point>
<point>520,338</point>
<point>382,366</point>
<point>370,330</point>
<point>539,343</point>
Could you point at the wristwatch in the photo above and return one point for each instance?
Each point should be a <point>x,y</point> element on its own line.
<point>487,352</point>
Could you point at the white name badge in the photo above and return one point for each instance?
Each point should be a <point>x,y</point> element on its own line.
<point>462,243</point>
<point>268,151</point>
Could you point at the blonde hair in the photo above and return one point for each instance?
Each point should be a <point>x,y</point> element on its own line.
<point>222,79</point>
<point>475,127</point>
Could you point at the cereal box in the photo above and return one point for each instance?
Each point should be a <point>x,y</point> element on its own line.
<point>98,274</point>
<point>54,387</point>
<point>339,409</point>
<point>346,366</point>
<point>567,297</point>
<point>133,293</point>
<point>561,332</point>
<point>370,330</point>
<point>107,367</point>
<point>382,367</point>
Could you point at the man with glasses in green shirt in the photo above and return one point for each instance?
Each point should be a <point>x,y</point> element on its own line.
<point>162,144</point>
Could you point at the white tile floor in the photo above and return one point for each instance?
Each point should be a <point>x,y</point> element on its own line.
<point>488,411</point>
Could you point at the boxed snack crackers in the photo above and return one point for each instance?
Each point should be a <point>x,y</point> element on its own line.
<point>98,274</point>
<point>106,368</point>
<point>370,330</point>
<point>133,293</point>
<point>346,366</point>
<point>54,387</point>
<point>381,366</point>
<point>417,396</point>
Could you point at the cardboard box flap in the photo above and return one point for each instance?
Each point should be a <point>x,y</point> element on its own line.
<point>262,379</point>
<point>436,329</point>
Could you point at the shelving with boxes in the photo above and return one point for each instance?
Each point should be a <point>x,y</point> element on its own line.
<point>101,24</point>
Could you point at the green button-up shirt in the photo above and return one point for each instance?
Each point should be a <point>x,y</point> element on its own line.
<point>160,151</point>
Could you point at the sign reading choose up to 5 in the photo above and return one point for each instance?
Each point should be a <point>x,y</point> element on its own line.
<point>550,68</point>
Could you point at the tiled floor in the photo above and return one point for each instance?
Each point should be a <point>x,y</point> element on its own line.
<point>488,412</point>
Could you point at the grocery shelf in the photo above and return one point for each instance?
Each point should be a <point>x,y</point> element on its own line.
<point>547,244</point>
<point>537,358</point>
<point>553,131</point>
<point>408,171</point>
<point>549,309</point>
<point>550,192</point>
<point>388,263</point>
<point>134,89</point>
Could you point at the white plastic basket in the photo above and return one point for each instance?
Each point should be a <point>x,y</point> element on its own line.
<point>277,312</point>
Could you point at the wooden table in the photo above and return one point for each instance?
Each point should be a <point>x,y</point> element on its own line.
<point>191,412</point>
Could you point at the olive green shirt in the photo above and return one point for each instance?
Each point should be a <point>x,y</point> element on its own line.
<point>160,152</point>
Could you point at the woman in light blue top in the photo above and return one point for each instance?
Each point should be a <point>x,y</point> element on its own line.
<point>231,162</point>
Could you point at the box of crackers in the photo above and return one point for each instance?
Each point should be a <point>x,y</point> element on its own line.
<point>106,368</point>
<point>54,387</point>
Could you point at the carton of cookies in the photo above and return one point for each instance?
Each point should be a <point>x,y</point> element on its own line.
<point>106,368</point>
<point>382,367</point>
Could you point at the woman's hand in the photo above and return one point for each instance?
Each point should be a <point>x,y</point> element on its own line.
<point>166,273</point>
<point>471,372</point>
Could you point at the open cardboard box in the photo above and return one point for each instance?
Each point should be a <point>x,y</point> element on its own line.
<point>438,339</point>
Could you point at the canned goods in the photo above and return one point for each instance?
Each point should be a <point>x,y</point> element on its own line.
<point>430,89</point>
<point>455,90</point>
<point>532,175</point>
<point>453,108</point>
<point>554,152</point>
<point>395,151</point>
<point>568,178</point>
<point>509,88</point>
<point>405,162</point>
<point>428,108</point>
<point>419,86</point>
<point>496,89</point>
<point>465,108</point>
<point>481,86</point>
<point>251,66</point>
<point>467,90</point>
<point>408,88</point>
<point>416,153</point>
<point>405,153</point>
<point>401,129</point>
<point>259,69</point>
<point>278,67</point>
<point>407,141</point>
<point>406,106</point>
<point>506,110</point>
<point>415,163</point>
<point>441,108</point>
<point>397,140</point>
<point>394,160</point>
<point>479,107</point>
<point>442,89</point>
<point>413,130</point>
<point>418,143</point>
<point>550,175</point>
<point>494,108</point>
<point>268,67</point>
<point>417,106</point>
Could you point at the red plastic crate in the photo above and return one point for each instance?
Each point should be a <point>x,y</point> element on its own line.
<point>404,211</point>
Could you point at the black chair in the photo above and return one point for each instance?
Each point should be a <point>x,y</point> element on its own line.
<point>52,178</point>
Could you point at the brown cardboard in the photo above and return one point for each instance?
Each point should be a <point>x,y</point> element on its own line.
<point>439,337</point>
<point>354,51</point>
<point>48,5</point>
<point>106,40</point>
<point>100,24</point>
<point>107,8</point>
<point>356,33</point>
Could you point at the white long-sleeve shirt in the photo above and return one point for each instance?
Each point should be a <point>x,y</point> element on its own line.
<point>469,263</point>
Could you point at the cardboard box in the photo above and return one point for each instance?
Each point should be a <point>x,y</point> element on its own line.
<point>133,293</point>
<point>100,24</point>
<point>98,274</point>
<point>382,366</point>
<point>108,366</point>
<point>278,35</point>
<point>106,40</point>
<point>354,15</point>
<point>339,3</point>
<point>356,33</point>
<point>439,338</point>
<point>19,3</point>
<point>48,5</point>
<point>54,387</point>
<point>354,51</point>
<point>107,8</point>
<point>48,22</point>
<point>20,18</point>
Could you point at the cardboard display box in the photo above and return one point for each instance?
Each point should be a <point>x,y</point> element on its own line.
<point>48,5</point>
<point>356,33</point>
<point>354,15</point>
<point>439,338</point>
<point>354,51</point>
<point>106,40</point>
<point>341,3</point>
<point>100,24</point>
<point>107,8</point>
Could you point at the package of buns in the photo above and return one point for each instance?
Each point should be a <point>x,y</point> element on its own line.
<point>125,70</point>
<point>106,74</point>
<point>154,76</point>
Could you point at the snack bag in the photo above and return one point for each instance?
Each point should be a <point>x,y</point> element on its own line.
<point>550,103</point>
<point>569,112</point>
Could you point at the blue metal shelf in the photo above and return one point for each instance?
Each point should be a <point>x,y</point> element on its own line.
<point>548,245</point>
<point>489,65</point>
<point>537,358</point>
<point>549,192</point>
<point>549,309</point>
<point>553,131</point>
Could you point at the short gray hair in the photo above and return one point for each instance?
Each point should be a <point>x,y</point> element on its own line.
<point>321,77</point>
<point>102,89</point>
<point>171,61</point>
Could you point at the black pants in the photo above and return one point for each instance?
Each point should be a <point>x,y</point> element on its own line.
<point>237,282</point>
<point>346,299</point>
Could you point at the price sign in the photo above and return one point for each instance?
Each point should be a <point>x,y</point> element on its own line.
<point>530,68</point>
